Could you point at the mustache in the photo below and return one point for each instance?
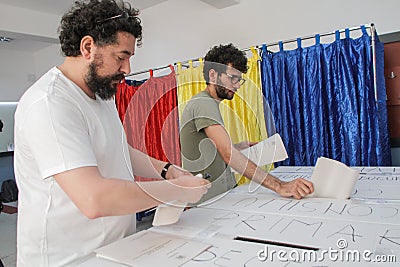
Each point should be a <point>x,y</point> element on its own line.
<point>118,77</point>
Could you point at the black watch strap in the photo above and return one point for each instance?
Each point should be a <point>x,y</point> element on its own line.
<point>165,169</point>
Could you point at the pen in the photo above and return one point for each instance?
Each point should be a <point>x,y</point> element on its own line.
<point>275,243</point>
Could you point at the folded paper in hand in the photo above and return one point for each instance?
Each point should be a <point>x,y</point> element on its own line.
<point>333,179</point>
<point>168,213</point>
<point>267,151</point>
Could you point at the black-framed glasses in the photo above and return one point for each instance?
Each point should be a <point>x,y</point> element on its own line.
<point>124,15</point>
<point>235,79</point>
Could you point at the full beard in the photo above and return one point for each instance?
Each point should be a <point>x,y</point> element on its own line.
<point>105,87</point>
<point>224,93</point>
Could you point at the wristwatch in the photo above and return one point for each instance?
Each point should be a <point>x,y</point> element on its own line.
<point>165,169</point>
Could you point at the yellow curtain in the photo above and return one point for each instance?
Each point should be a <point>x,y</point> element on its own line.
<point>190,82</point>
<point>244,115</point>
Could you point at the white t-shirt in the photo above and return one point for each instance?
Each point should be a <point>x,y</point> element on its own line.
<point>59,128</point>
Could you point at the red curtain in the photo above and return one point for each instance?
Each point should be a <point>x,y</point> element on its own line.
<point>123,97</point>
<point>151,117</point>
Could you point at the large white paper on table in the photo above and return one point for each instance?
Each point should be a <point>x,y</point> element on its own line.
<point>333,179</point>
<point>268,151</point>
<point>148,248</point>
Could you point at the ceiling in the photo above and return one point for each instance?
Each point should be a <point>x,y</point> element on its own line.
<point>30,43</point>
<point>58,7</point>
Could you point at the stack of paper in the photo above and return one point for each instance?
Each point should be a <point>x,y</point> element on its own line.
<point>149,248</point>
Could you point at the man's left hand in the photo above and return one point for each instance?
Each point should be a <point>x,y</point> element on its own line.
<point>298,188</point>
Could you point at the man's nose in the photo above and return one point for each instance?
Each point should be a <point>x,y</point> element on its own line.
<point>236,86</point>
<point>126,67</point>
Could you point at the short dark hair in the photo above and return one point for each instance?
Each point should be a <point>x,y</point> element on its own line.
<point>218,57</point>
<point>92,17</point>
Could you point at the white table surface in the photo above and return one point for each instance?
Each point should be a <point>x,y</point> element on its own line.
<point>201,218</point>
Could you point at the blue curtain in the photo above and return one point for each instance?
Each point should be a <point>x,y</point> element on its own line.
<point>323,101</point>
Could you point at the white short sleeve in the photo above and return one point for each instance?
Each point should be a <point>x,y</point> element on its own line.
<point>58,136</point>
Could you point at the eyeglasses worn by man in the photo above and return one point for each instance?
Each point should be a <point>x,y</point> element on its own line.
<point>73,166</point>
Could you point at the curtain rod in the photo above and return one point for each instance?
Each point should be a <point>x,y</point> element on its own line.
<point>370,26</point>
<point>144,71</point>
<point>321,34</point>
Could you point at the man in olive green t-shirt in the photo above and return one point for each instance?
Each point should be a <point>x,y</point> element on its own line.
<point>199,154</point>
<point>205,144</point>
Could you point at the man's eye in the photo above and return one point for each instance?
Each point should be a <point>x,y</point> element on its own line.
<point>121,59</point>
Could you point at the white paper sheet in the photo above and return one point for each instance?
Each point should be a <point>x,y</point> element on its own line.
<point>333,179</point>
<point>148,248</point>
<point>268,151</point>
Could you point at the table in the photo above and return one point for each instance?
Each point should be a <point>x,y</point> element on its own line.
<point>253,226</point>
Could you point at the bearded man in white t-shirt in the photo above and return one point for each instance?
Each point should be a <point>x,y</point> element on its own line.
<point>73,166</point>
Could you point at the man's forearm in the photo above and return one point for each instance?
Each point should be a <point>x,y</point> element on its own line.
<point>144,165</point>
<point>251,171</point>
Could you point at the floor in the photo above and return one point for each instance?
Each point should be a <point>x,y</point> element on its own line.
<point>8,230</point>
<point>8,234</point>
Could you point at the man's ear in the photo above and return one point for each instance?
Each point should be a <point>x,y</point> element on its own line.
<point>86,47</point>
<point>213,75</point>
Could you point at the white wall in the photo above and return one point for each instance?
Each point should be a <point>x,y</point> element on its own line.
<point>47,58</point>
<point>20,20</point>
<point>19,70</point>
<point>178,30</point>
<point>16,72</point>
<point>7,111</point>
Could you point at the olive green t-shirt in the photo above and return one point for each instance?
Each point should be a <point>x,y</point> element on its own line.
<point>199,154</point>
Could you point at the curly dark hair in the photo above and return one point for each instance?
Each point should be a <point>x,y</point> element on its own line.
<point>218,57</point>
<point>93,17</point>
